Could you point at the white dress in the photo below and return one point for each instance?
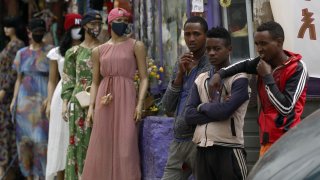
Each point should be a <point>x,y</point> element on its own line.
<point>58,128</point>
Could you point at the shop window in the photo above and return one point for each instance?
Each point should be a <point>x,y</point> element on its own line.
<point>159,24</point>
<point>237,18</point>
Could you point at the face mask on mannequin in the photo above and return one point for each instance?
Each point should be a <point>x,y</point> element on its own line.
<point>94,32</point>
<point>37,37</point>
<point>75,33</point>
<point>119,28</point>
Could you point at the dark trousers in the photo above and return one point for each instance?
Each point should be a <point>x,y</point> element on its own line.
<point>220,163</point>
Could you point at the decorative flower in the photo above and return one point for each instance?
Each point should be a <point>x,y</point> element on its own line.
<point>83,81</point>
<point>76,168</point>
<point>154,108</point>
<point>225,3</point>
<point>65,77</point>
<point>154,72</point>
<point>154,76</point>
<point>81,122</point>
<point>89,63</point>
<point>72,140</point>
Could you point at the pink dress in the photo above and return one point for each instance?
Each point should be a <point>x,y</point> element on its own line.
<point>113,152</point>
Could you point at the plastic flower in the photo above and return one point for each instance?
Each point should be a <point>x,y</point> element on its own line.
<point>154,75</point>
<point>154,108</point>
<point>225,3</point>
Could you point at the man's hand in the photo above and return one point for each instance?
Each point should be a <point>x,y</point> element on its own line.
<point>185,62</point>
<point>214,84</point>
<point>263,68</point>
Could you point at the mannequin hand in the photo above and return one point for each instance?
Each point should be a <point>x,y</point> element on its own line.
<point>12,104</point>
<point>89,118</point>
<point>2,94</point>
<point>65,111</point>
<point>105,100</point>
<point>138,113</point>
<point>44,105</point>
<point>48,110</point>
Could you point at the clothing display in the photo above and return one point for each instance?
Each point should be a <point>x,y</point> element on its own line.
<point>7,79</point>
<point>113,150</point>
<point>31,122</point>
<point>58,129</point>
<point>76,76</point>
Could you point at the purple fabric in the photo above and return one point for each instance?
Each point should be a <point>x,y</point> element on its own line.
<point>156,135</point>
<point>213,12</point>
<point>313,87</point>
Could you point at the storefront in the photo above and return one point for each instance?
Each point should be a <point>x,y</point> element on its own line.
<point>159,24</point>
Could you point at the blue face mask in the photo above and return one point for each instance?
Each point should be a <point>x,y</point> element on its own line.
<point>119,28</point>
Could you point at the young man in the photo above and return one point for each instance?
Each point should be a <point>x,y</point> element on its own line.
<point>219,116</point>
<point>180,163</point>
<point>282,77</point>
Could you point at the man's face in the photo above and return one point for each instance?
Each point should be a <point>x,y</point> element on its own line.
<point>267,47</point>
<point>194,36</point>
<point>217,51</point>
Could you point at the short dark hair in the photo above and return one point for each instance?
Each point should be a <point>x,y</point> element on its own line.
<point>273,28</point>
<point>37,24</point>
<point>91,16</point>
<point>220,32</point>
<point>198,19</point>
<point>19,26</point>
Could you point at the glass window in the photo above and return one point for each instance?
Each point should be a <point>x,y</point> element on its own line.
<point>159,24</point>
<point>236,21</point>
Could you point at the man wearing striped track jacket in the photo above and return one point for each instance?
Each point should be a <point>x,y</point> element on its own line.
<point>282,77</point>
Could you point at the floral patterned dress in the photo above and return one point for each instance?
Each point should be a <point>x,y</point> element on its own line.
<point>31,121</point>
<point>77,75</point>
<point>7,80</point>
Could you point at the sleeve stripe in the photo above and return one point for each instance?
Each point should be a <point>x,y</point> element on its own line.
<point>302,81</point>
<point>225,68</point>
<point>300,87</point>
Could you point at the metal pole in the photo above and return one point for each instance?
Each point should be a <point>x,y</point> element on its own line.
<point>160,33</point>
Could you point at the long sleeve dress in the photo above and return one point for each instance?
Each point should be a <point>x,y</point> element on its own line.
<point>31,121</point>
<point>7,79</point>
<point>113,152</point>
<point>77,75</point>
<point>58,129</point>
